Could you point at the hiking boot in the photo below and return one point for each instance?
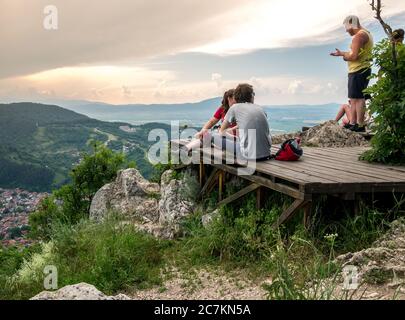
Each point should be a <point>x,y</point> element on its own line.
<point>350,126</point>
<point>359,129</point>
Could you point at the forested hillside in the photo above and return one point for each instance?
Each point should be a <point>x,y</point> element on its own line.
<point>39,144</point>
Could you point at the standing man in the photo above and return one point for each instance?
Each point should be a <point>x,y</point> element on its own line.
<point>359,59</point>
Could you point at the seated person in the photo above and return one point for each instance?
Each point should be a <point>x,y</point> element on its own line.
<point>254,140</point>
<point>345,114</point>
<point>227,102</point>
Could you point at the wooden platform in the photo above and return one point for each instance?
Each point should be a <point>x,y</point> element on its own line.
<point>321,171</point>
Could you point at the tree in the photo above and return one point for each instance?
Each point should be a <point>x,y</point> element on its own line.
<point>71,203</point>
<point>388,98</point>
<point>376,6</point>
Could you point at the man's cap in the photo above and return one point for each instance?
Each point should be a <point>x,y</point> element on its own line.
<point>352,21</point>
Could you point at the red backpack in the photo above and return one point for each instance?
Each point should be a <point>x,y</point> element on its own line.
<point>290,151</point>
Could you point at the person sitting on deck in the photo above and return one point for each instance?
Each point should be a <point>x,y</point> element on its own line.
<point>345,114</point>
<point>227,102</point>
<point>254,140</point>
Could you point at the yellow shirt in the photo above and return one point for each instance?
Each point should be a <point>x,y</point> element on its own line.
<point>365,56</point>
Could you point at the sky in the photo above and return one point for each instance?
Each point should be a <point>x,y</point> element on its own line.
<point>175,51</point>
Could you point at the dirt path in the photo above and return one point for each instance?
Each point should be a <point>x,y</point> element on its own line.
<point>203,285</point>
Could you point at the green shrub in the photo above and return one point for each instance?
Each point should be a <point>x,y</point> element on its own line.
<point>71,203</point>
<point>111,256</point>
<point>388,106</point>
<point>11,259</point>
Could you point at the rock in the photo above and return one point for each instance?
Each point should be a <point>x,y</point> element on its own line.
<point>177,200</point>
<point>130,195</point>
<point>384,261</point>
<point>328,134</point>
<point>208,218</point>
<point>81,291</point>
<point>158,210</point>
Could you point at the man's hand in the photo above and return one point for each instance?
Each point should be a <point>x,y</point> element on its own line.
<point>337,53</point>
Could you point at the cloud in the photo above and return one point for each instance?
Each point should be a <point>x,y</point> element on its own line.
<point>217,78</point>
<point>106,32</point>
<point>296,87</point>
<point>102,31</point>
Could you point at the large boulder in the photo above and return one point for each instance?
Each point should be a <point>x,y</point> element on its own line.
<point>130,195</point>
<point>158,210</point>
<point>81,291</point>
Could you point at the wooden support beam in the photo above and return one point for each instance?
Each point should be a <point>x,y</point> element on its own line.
<point>290,212</point>
<point>220,185</point>
<point>265,182</point>
<point>209,184</point>
<point>202,173</point>
<point>239,194</point>
<point>261,194</point>
<point>307,215</point>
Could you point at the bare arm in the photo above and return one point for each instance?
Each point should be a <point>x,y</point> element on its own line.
<point>209,125</point>
<point>224,127</point>
<point>359,41</point>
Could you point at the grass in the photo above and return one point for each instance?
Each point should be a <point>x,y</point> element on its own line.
<point>112,256</point>
<point>115,257</point>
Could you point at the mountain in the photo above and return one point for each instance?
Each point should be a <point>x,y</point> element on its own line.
<point>142,113</point>
<point>39,144</point>
<point>282,118</point>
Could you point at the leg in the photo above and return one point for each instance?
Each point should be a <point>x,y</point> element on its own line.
<point>341,113</point>
<point>361,111</point>
<point>228,144</point>
<point>353,111</point>
<point>345,113</point>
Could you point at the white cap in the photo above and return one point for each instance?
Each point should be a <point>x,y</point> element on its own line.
<point>352,22</point>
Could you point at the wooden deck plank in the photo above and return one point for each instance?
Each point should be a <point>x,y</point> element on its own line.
<point>330,173</point>
<point>288,174</point>
<point>353,157</point>
<point>354,166</point>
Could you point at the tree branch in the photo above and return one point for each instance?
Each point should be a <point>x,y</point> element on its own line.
<point>377,7</point>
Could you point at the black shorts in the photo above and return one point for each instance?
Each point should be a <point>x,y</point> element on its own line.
<point>358,82</point>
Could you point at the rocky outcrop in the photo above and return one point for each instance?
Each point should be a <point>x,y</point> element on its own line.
<point>158,210</point>
<point>175,203</point>
<point>81,291</point>
<point>328,134</point>
<point>130,195</point>
<point>384,262</point>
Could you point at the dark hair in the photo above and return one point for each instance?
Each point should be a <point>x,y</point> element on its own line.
<point>244,93</point>
<point>225,101</point>
<point>398,34</point>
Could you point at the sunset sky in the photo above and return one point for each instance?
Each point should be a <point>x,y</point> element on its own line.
<point>167,51</point>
